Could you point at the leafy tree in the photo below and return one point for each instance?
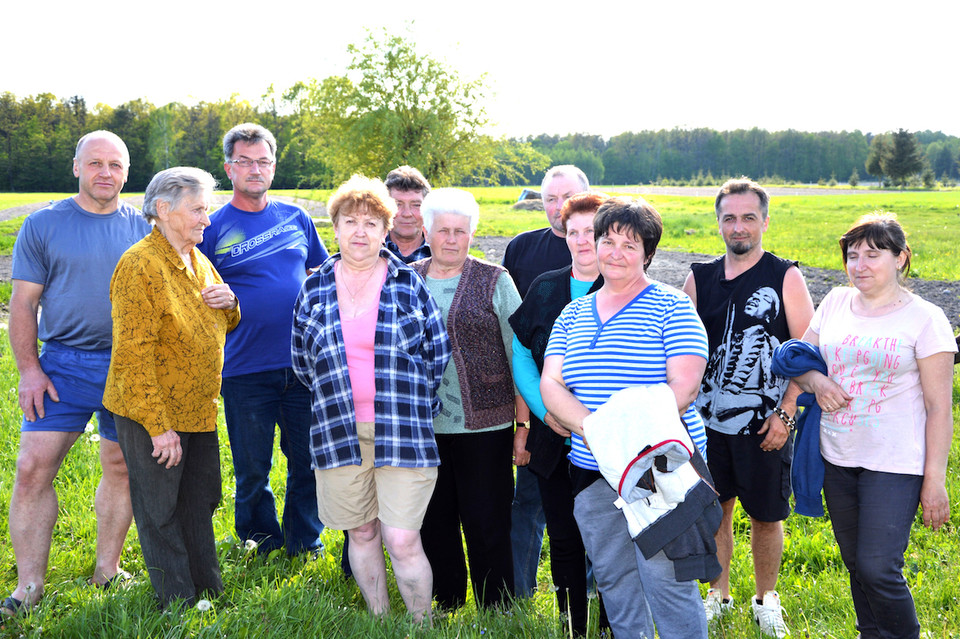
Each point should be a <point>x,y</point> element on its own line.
<point>515,163</point>
<point>876,156</point>
<point>166,131</point>
<point>585,159</point>
<point>905,158</point>
<point>941,159</point>
<point>854,178</point>
<point>396,106</point>
<point>131,121</point>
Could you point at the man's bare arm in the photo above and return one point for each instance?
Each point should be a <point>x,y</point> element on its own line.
<point>24,306</point>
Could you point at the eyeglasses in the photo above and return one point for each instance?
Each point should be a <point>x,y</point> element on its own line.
<point>246,163</point>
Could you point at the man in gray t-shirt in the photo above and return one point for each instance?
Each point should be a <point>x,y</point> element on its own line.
<point>63,261</point>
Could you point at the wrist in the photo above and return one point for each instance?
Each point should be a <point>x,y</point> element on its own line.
<point>788,420</point>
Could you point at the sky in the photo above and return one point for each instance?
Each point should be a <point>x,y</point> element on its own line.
<point>607,68</point>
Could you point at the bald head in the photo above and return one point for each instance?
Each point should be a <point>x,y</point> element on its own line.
<point>104,135</point>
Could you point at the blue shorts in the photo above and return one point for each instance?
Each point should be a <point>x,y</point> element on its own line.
<point>79,377</point>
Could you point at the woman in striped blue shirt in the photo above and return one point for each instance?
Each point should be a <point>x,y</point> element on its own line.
<point>633,331</point>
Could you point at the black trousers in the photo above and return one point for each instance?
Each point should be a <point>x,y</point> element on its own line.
<point>474,489</point>
<point>567,556</point>
<point>174,510</point>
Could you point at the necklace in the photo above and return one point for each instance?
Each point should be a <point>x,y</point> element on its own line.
<point>343,280</point>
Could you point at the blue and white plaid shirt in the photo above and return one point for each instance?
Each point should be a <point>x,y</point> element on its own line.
<point>411,349</point>
<point>422,252</point>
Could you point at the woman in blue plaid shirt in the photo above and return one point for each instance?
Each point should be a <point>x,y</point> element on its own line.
<point>368,339</point>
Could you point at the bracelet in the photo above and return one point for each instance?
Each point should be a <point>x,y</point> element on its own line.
<point>789,422</point>
<point>523,425</point>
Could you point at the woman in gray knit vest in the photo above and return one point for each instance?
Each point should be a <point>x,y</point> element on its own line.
<point>474,430</point>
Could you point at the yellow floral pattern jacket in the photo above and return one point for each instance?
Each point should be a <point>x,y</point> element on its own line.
<point>167,343</point>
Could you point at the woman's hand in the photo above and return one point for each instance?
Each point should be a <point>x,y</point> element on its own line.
<point>936,382</point>
<point>935,503</point>
<point>166,448</point>
<point>830,396</point>
<point>521,456</point>
<point>555,426</point>
<point>219,296</point>
<point>566,409</point>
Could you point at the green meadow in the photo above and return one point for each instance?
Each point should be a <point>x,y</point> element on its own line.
<point>280,597</point>
<point>804,227</point>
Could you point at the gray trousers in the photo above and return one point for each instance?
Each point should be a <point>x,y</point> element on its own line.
<point>637,592</point>
<point>174,510</point>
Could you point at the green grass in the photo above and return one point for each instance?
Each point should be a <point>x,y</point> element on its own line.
<point>278,597</point>
<point>801,227</point>
<point>808,227</point>
<point>281,597</point>
<point>9,200</point>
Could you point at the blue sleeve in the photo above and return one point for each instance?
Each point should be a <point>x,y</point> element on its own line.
<point>527,378</point>
<point>316,251</point>
<point>29,264</point>
<point>683,331</point>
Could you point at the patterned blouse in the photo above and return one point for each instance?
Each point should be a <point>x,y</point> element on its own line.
<point>167,343</point>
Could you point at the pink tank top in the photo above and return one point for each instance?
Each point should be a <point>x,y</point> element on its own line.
<point>359,334</point>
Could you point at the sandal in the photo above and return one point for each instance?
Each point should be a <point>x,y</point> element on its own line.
<point>11,607</point>
<point>117,580</point>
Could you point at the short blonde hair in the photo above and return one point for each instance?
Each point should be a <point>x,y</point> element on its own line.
<point>363,194</point>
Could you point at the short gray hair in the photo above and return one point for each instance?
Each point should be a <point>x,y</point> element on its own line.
<point>103,135</point>
<point>455,201</point>
<point>251,134</point>
<point>171,185</point>
<point>565,170</point>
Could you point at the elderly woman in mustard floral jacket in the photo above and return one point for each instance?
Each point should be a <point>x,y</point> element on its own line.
<point>171,314</point>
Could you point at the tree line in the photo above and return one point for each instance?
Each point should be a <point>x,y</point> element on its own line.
<point>395,106</point>
<point>686,155</point>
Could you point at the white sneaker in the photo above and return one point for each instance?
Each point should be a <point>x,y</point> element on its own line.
<point>715,606</point>
<point>769,615</point>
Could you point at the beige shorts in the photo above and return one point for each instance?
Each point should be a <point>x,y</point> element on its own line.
<point>350,496</point>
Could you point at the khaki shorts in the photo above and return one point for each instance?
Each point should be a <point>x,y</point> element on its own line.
<point>350,496</point>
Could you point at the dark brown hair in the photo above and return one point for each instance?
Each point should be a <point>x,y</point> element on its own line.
<point>880,230</point>
<point>634,216</point>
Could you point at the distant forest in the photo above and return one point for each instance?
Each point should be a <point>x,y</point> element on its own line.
<point>38,135</point>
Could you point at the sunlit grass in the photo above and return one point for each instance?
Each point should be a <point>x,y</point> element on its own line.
<point>278,597</point>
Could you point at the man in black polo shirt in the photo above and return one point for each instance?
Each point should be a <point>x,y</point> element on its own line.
<point>529,255</point>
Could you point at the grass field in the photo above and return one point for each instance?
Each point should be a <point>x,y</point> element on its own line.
<point>278,597</point>
<point>804,227</point>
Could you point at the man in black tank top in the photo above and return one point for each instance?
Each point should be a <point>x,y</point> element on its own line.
<point>750,301</point>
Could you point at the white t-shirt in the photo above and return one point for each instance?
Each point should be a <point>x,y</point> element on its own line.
<point>874,359</point>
